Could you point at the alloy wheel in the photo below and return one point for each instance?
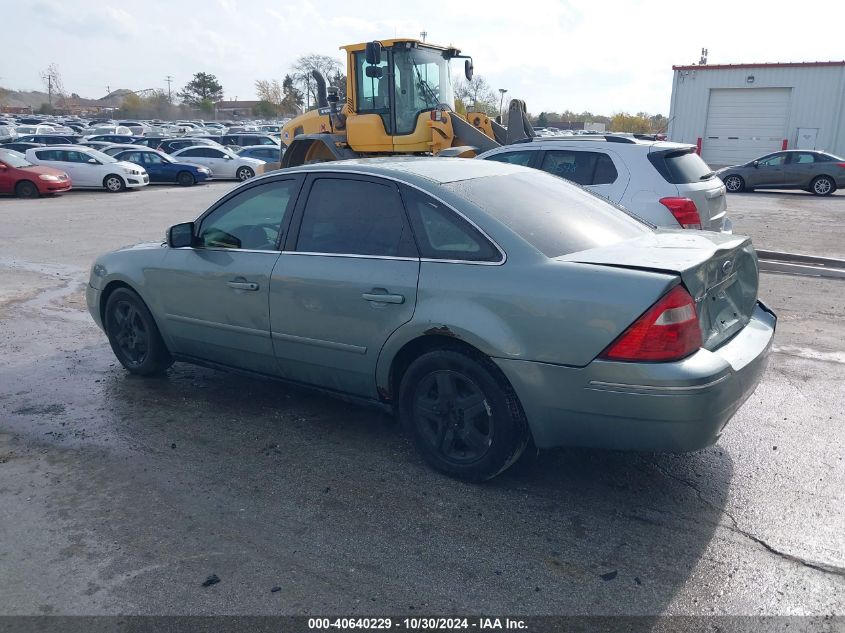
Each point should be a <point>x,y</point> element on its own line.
<point>454,416</point>
<point>130,333</point>
<point>822,186</point>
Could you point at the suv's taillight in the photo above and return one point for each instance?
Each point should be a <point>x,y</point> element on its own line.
<point>668,331</point>
<point>684,210</point>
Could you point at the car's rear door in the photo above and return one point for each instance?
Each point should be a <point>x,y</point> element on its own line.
<point>601,172</point>
<point>213,296</point>
<point>799,169</point>
<point>345,281</point>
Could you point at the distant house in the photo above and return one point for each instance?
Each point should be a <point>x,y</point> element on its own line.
<point>235,109</point>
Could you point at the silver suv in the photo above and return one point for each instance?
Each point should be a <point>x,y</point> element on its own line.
<point>665,183</point>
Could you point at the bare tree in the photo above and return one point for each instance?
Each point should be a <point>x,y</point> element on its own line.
<point>329,67</point>
<point>476,94</point>
<point>52,79</point>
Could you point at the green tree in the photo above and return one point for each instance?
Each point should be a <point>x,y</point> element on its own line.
<point>265,109</point>
<point>206,106</point>
<point>292,99</point>
<point>203,87</point>
<point>45,108</point>
<point>542,120</point>
<point>634,123</point>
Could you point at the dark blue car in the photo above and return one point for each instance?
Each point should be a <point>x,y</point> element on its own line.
<point>115,138</point>
<point>164,169</point>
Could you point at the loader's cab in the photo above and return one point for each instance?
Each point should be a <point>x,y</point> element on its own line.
<point>393,87</point>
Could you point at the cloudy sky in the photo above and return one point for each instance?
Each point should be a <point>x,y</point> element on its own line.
<point>598,55</point>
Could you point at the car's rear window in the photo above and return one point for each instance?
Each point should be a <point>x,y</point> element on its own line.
<point>554,216</point>
<point>681,167</point>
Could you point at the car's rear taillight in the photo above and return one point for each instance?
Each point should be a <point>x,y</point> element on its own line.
<point>842,165</point>
<point>684,210</point>
<point>668,331</point>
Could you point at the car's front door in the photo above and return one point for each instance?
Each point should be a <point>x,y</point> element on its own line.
<point>157,168</point>
<point>769,171</point>
<point>346,280</point>
<point>214,295</point>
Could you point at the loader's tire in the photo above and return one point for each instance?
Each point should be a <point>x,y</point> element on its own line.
<point>318,152</point>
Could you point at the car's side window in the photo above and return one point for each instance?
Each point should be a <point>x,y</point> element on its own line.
<point>251,220</point>
<point>441,234</point>
<point>353,217</point>
<point>211,153</point>
<point>152,159</point>
<point>76,157</point>
<point>191,152</point>
<point>773,161</point>
<point>803,158</point>
<point>606,173</point>
<point>49,154</point>
<point>514,158</point>
<point>132,157</point>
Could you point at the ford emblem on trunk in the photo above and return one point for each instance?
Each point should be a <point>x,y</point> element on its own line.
<point>726,267</point>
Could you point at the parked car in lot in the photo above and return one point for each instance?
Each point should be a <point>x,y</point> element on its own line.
<point>109,130</point>
<point>20,147</point>
<point>24,130</point>
<point>819,173</point>
<point>245,140</point>
<point>664,183</point>
<point>162,168</point>
<point>486,304</point>
<point>116,148</point>
<point>7,133</point>
<point>89,168</point>
<point>151,141</point>
<point>169,146</point>
<point>25,180</point>
<point>49,139</point>
<point>263,153</point>
<point>113,138</point>
<point>222,162</point>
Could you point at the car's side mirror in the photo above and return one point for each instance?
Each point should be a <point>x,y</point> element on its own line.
<point>93,161</point>
<point>181,235</point>
<point>469,69</point>
<point>3,167</point>
<point>755,163</point>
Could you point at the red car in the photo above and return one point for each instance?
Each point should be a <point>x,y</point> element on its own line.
<point>25,180</point>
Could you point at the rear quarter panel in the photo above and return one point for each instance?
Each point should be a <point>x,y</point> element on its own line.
<point>554,312</point>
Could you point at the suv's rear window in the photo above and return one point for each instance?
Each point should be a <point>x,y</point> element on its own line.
<point>681,166</point>
<point>554,216</point>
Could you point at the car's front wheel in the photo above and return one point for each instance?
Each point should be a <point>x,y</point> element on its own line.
<point>822,186</point>
<point>186,179</point>
<point>26,189</point>
<point>244,173</point>
<point>133,334</point>
<point>114,183</point>
<point>462,414</point>
<point>734,183</point>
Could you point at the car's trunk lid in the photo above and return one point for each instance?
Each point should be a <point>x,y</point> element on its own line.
<point>720,272</point>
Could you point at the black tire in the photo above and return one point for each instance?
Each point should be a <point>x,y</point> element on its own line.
<point>244,173</point>
<point>114,183</point>
<point>26,189</point>
<point>734,183</point>
<point>438,391</point>
<point>133,334</point>
<point>822,186</point>
<point>186,179</point>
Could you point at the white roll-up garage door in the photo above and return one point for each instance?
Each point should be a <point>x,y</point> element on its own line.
<point>744,123</point>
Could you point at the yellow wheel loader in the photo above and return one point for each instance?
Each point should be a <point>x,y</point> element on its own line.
<point>398,101</point>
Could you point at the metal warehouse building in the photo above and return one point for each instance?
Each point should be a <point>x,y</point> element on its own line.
<point>737,112</point>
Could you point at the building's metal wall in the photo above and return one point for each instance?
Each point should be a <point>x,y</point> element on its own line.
<point>817,100</point>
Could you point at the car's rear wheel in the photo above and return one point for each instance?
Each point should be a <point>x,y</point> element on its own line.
<point>133,334</point>
<point>114,183</point>
<point>244,173</point>
<point>186,179</point>
<point>822,186</point>
<point>462,414</point>
<point>26,189</point>
<point>734,183</point>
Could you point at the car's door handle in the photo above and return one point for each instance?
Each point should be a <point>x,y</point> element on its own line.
<point>242,285</point>
<point>382,297</point>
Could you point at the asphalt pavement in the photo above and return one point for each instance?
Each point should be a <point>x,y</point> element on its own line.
<point>120,494</point>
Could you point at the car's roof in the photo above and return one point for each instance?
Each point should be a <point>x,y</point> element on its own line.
<point>437,170</point>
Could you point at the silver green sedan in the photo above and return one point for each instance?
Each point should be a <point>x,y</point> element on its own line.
<point>486,304</point>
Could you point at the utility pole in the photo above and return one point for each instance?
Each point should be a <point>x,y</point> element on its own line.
<point>502,91</point>
<point>169,79</point>
<point>50,89</point>
<point>423,35</point>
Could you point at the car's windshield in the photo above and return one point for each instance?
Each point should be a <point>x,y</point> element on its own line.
<point>14,161</point>
<point>551,214</point>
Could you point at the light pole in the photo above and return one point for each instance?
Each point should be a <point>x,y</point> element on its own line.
<point>502,91</point>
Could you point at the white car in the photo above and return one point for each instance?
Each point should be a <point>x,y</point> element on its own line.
<point>90,169</point>
<point>222,162</point>
<point>120,130</point>
<point>26,130</point>
<point>666,184</point>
